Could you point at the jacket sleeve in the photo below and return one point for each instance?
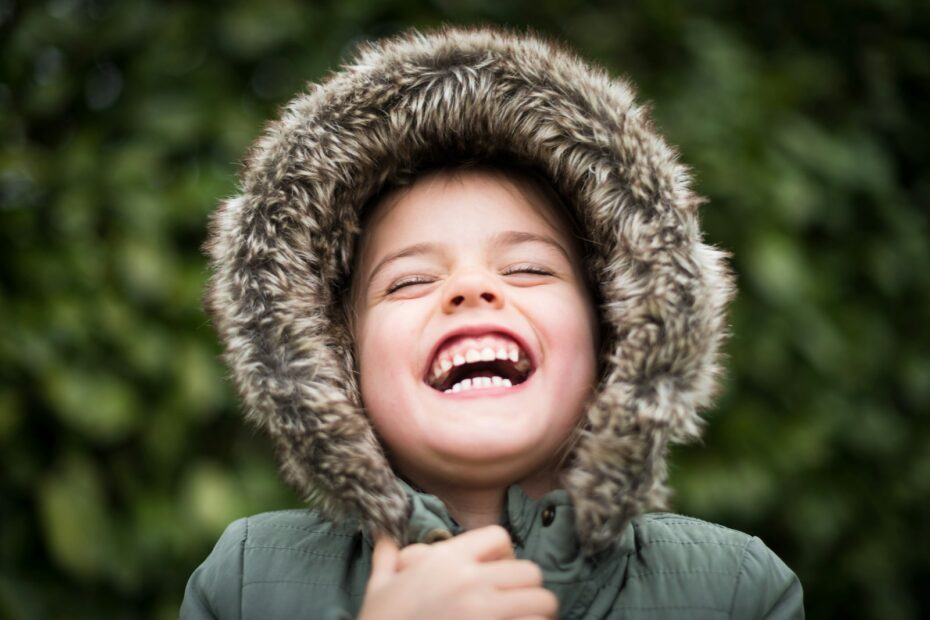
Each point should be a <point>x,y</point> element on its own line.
<point>766,587</point>
<point>214,590</point>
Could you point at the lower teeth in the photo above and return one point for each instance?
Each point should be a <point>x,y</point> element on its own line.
<point>478,383</point>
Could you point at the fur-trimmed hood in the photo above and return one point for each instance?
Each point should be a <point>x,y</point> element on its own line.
<point>281,251</point>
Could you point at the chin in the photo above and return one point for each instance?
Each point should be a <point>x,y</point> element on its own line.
<point>483,458</point>
<point>481,474</point>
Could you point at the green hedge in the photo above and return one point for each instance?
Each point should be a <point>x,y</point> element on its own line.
<point>122,452</point>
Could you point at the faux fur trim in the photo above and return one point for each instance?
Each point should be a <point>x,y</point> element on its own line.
<point>281,250</point>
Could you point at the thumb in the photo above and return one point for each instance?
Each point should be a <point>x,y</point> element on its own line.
<point>383,562</point>
<point>410,555</point>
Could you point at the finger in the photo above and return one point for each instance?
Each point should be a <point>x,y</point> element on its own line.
<point>383,562</point>
<point>484,544</point>
<point>510,574</point>
<point>526,602</point>
<point>410,555</point>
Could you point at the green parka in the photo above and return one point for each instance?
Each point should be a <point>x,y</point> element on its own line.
<point>293,564</point>
<point>282,251</point>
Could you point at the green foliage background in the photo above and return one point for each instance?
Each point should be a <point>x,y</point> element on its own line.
<point>122,452</point>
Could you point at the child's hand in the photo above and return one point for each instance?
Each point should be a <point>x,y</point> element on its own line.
<point>473,575</point>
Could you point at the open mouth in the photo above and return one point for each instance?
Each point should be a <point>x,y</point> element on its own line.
<point>469,362</point>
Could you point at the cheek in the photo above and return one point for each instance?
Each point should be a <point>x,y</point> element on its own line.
<point>571,322</point>
<point>573,341</point>
<point>579,334</point>
<point>387,357</point>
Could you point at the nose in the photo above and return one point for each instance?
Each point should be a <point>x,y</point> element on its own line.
<point>472,289</point>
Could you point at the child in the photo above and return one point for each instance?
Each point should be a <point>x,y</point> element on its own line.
<point>464,291</point>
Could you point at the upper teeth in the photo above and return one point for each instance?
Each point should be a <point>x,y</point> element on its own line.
<point>481,349</point>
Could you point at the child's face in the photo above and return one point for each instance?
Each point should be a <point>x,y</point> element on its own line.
<point>466,252</point>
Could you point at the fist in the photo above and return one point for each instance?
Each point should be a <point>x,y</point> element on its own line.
<point>473,575</point>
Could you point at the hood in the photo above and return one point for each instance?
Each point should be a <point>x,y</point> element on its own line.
<point>281,251</point>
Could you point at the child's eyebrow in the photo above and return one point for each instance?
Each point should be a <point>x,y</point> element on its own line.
<point>516,237</point>
<point>502,239</point>
<point>417,249</point>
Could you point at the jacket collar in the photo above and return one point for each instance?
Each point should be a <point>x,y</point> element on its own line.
<point>544,531</point>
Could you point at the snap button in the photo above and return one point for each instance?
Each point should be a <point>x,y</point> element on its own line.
<point>436,535</point>
<point>548,516</point>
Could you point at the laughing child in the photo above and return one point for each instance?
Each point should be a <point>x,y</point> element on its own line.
<point>464,290</point>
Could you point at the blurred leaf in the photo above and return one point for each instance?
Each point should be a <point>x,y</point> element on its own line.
<point>75,519</point>
<point>211,498</point>
<point>145,268</point>
<point>199,380</point>
<point>11,414</point>
<point>250,29</point>
<point>778,268</point>
<point>741,488</point>
<point>99,406</point>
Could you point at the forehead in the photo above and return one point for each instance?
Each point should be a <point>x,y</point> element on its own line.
<point>463,206</point>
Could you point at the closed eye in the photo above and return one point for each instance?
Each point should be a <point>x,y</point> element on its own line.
<point>404,282</point>
<point>531,269</point>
